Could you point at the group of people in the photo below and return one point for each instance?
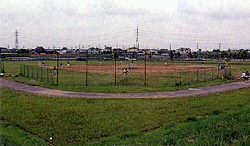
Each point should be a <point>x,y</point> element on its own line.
<point>129,69</point>
<point>42,64</point>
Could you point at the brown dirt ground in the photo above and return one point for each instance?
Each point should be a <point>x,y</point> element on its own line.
<point>152,68</point>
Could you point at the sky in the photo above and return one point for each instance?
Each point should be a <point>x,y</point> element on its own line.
<point>95,23</point>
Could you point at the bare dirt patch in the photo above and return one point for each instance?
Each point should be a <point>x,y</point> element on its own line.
<point>138,68</point>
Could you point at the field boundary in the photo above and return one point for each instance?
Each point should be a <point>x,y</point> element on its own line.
<point>180,93</point>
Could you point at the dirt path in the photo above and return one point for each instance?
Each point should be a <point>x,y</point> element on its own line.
<point>169,94</point>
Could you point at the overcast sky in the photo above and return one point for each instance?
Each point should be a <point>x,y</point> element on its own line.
<point>181,23</point>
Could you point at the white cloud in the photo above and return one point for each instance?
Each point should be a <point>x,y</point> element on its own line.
<point>67,20</point>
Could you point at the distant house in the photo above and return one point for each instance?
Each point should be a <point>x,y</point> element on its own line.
<point>216,50</point>
<point>4,50</point>
<point>133,49</point>
<point>106,50</point>
<point>153,51</point>
<point>163,51</point>
<point>38,50</point>
<point>183,50</point>
<point>50,51</point>
<point>94,50</point>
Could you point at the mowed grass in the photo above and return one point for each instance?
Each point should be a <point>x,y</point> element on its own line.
<point>102,82</point>
<point>13,135</point>
<point>178,121</point>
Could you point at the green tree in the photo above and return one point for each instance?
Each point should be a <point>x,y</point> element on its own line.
<point>190,55</point>
<point>178,55</point>
<point>171,54</point>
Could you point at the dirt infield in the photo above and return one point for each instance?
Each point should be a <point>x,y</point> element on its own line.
<point>138,68</point>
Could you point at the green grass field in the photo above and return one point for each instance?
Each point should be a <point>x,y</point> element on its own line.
<point>101,82</point>
<point>214,119</point>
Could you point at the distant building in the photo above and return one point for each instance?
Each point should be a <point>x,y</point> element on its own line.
<point>183,50</point>
<point>94,50</point>
<point>163,51</point>
<point>38,50</point>
<point>216,50</point>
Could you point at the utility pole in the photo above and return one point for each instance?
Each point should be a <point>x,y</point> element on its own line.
<point>57,56</point>
<point>219,51</point>
<point>137,38</point>
<point>145,71</point>
<point>16,40</point>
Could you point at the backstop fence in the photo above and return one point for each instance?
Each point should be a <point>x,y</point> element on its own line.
<point>118,73</point>
<point>38,73</point>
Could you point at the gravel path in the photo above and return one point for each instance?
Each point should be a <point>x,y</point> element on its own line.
<point>169,94</point>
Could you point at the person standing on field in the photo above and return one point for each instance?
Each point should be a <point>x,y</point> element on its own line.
<point>60,65</point>
<point>55,70</point>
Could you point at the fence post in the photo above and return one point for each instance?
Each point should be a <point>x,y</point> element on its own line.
<point>21,71</point>
<point>24,71</point>
<point>197,74</point>
<point>32,72</point>
<point>190,77</point>
<point>51,74</point>
<point>204,74</point>
<point>41,74</point>
<point>230,70</point>
<point>180,78</point>
<point>212,74</point>
<point>115,70</point>
<point>86,71</point>
<point>37,73</point>
<point>57,72</point>
<point>145,82</point>
<point>47,74</point>
<point>28,71</point>
<point>2,66</point>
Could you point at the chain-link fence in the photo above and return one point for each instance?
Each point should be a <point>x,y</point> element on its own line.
<point>38,73</point>
<point>94,72</point>
<point>2,67</point>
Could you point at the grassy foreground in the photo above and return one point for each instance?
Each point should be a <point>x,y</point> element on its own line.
<point>214,119</point>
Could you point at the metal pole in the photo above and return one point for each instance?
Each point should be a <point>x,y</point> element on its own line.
<point>115,71</point>
<point>47,75</point>
<point>212,73</point>
<point>24,71</point>
<point>57,68</point>
<point>28,71</point>
<point>3,67</point>
<point>197,74</point>
<point>32,72</point>
<point>52,79</point>
<point>180,77</point>
<point>145,82</point>
<point>37,73</point>
<point>20,68</point>
<point>41,74</point>
<point>204,74</point>
<point>87,69</point>
<point>230,70</point>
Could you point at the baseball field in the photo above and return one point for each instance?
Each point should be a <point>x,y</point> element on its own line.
<point>108,76</point>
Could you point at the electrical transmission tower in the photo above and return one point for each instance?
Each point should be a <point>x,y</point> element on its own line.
<point>137,39</point>
<point>16,40</point>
